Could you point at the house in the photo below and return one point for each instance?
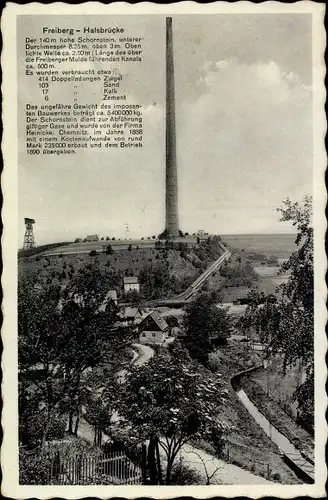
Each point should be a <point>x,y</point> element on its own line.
<point>110,295</point>
<point>153,329</point>
<point>131,315</point>
<point>131,283</point>
<point>92,237</point>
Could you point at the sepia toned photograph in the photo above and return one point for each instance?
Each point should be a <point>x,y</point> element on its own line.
<point>167,285</point>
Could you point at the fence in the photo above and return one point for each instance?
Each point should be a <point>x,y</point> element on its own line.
<point>102,468</point>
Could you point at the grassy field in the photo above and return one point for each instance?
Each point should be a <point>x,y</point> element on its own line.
<point>120,244</point>
<point>279,245</point>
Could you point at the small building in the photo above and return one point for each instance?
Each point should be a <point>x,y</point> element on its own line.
<point>111,295</point>
<point>153,329</point>
<point>131,315</point>
<point>92,237</point>
<point>131,283</point>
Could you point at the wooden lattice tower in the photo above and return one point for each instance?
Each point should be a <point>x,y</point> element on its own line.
<point>29,241</point>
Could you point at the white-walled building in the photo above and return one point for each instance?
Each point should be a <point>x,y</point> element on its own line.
<point>131,283</point>
<point>153,329</point>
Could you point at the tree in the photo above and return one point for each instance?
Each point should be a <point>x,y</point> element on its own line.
<point>287,325</point>
<point>134,297</point>
<point>155,280</point>
<point>99,409</point>
<point>109,250</point>
<point>171,402</point>
<point>83,334</point>
<point>38,350</point>
<point>60,336</point>
<point>205,325</point>
<point>299,288</point>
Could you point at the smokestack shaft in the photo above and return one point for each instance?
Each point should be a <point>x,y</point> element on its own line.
<point>172,221</point>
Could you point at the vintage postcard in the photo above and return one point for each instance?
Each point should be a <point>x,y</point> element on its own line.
<point>163,249</point>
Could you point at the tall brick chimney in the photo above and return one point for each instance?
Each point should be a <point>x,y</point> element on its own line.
<point>171,198</point>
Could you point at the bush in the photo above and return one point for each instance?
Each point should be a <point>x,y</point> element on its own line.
<point>109,250</point>
<point>33,470</point>
<point>214,363</point>
<point>183,475</point>
<point>92,253</point>
<point>57,428</point>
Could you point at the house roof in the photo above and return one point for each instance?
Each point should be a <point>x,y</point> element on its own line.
<point>140,315</point>
<point>92,236</point>
<point>130,280</point>
<point>157,318</point>
<point>111,294</point>
<point>130,312</point>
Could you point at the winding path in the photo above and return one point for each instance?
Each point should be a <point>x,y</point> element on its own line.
<point>141,354</point>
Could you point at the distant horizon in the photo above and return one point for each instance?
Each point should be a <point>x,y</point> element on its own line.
<point>122,238</point>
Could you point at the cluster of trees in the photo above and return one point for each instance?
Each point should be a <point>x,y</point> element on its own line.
<point>287,324</point>
<point>167,402</point>
<point>206,327</point>
<point>91,278</point>
<point>155,280</point>
<point>238,274</point>
<point>254,256</point>
<point>61,335</point>
<point>207,251</point>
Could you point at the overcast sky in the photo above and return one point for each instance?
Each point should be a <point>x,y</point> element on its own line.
<point>244,131</point>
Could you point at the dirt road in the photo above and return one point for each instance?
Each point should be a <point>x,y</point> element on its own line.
<point>217,470</point>
<point>145,354</point>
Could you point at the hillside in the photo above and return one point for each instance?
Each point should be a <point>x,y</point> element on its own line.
<point>166,269</point>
